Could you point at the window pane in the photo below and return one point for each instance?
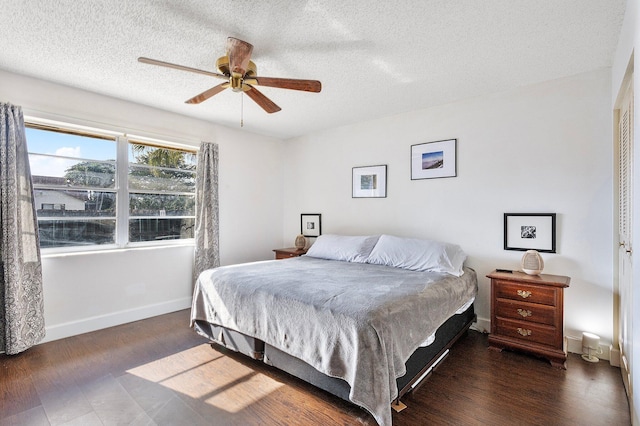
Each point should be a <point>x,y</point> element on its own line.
<point>54,171</point>
<point>157,179</point>
<point>68,145</point>
<point>73,203</point>
<point>64,233</point>
<point>158,229</point>
<point>161,157</point>
<point>161,205</point>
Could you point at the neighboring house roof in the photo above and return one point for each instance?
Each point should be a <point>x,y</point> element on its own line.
<point>48,180</point>
<point>61,182</point>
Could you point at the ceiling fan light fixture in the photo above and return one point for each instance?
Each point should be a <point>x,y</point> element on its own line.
<point>236,82</point>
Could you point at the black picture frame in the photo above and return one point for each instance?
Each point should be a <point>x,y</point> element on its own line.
<point>311,224</point>
<point>530,231</point>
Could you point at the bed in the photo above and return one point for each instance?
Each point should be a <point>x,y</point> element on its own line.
<point>364,318</point>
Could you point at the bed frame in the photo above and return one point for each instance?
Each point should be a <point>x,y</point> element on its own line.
<point>419,366</point>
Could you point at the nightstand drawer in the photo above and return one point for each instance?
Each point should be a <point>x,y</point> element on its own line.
<point>529,312</point>
<point>286,253</point>
<point>527,331</point>
<point>524,292</point>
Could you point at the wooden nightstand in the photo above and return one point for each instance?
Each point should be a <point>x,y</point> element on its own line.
<point>285,253</point>
<point>527,313</point>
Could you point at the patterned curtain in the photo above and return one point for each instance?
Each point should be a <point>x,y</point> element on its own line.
<point>207,252</point>
<point>21,303</point>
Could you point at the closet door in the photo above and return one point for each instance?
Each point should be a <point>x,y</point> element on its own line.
<point>625,222</point>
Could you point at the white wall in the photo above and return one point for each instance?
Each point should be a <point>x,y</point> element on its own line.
<point>87,291</point>
<point>626,61</point>
<point>543,148</point>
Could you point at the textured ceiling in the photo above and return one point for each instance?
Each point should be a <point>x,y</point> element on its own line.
<point>374,58</point>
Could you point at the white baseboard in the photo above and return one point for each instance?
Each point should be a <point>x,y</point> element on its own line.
<point>483,325</point>
<point>574,345</point>
<point>614,356</point>
<point>99,322</point>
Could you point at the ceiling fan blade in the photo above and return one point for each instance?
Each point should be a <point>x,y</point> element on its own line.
<point>239,53</point>
<point>180,67</point>
<point>287,83</point>
<point>207,94</point>
<point>264,102</point>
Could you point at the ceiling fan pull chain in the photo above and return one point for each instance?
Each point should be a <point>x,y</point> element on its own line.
<point>242,109</point>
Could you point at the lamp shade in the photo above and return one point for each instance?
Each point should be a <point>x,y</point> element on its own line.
<point>532,263</point>
<point>590,345</point>
<point>300,242</point>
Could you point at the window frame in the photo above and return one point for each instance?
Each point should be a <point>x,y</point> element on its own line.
<point>121,187</point>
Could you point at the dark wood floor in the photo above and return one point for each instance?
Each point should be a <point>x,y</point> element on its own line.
<point>158,371</point>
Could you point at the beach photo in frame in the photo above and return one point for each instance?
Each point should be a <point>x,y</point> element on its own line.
<point>530,231</point>
<point>433,159</point>
<point>369,182</point>
<point>310,224</point>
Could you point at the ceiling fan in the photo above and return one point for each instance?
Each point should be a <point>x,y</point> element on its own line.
<point>240,74</point>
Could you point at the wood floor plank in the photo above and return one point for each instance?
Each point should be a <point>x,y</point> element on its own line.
<point>17,391</point>
<point>161,372</point>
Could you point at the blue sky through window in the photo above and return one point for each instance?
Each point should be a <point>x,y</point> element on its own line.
<point>65,145</point>
<point>47,142</point>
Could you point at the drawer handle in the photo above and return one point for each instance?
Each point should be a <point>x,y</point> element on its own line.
<point>524,312</point>
<point>523,293</point>
<point>524,332</point>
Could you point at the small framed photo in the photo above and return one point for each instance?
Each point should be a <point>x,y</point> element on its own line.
<point>369,182</point>
<point>310,224</point>
<point>433,160</point>
<point>530,231</point>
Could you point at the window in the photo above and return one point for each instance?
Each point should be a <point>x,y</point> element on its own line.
<point>104,189</point>
<point>162,184</point>
<point>51,206</point>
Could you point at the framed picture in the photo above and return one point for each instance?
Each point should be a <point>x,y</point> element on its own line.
<point>433,159</point>
<point>369,182</point>
<point>310,224</point>
<point>530,231</point>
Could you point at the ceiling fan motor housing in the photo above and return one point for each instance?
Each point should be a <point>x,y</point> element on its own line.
<point>235,79</point>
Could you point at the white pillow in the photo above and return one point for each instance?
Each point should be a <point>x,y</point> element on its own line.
<point>418,255</point>
<point>342,247</point>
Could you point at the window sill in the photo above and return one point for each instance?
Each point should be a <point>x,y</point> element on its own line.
<point>48,253</point>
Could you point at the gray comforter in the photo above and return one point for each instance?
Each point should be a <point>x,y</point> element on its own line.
<point>358,322</point>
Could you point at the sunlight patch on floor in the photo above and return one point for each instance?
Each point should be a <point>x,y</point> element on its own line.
<point>206,375</point>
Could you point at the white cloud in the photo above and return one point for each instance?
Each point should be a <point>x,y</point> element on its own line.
<point>67,151</point>
<point>52,166</point>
